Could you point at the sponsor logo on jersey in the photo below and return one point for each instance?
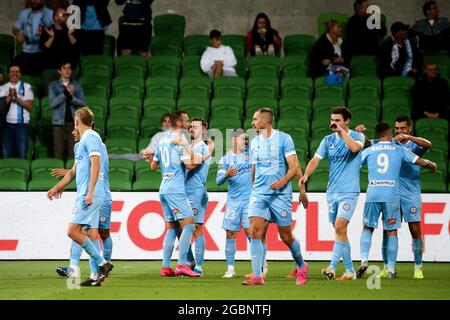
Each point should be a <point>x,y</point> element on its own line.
<point>392,221</point>
<point>176,211</point>
<point>283,213</point>
<point>346,206</point>
<point>194,211</point>
<point>382,183</point>
<point>102,219</point>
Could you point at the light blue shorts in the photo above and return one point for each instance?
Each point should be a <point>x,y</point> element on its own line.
<point>411,208</point>
<point>87,215</point>
<point>341,205</point>
<point>175,206</point>
<point>199,202</point>
<point>391,215</point>
<point>275,208</point>
<point>237,214</point>
<point>105,215</point>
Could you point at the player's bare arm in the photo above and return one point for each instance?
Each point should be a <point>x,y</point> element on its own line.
<point>57,190</point>
<point>362,129</point>
<point>427,164</point>
<point>424,143</point>
<point>310,168</point>
<point>95,171</point>
<point>293,165</point>
<point>303,198</point>
<point>354,146</point>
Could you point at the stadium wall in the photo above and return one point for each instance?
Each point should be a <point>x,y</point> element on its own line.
<point>33,227</point>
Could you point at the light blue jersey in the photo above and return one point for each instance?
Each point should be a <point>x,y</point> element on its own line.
<point>89,145</point>
<point>171,157</point>
<point>344,164</point>
<point>384,161</point>
<point>196,179</point>
<point>239,186</point>
<point>269,157</point>
<point>410,174</point>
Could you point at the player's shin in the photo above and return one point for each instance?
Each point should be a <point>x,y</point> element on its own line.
<point>107,248</point>
<point>200,246</point>
<point>297,254</point>
<point>347,257</point>
<point>418,251</point>
<point>365,244</point>
<point>230,251</point>
<point>256,253</point>
<point>338,251</point>
<point>168,245</point>
<point>384,250</point>
<point>392,250</point>
<point>185,242</point>
<point>93,251</point>
<point>75,254</point>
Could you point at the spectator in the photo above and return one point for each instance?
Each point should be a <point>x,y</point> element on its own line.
<point>328,51</point>
<point>433,32</point>
<point>431,94</point>
<point>262,39</point>
<point>58,43</point>
<point>65,96</point>
<point>218,60</point>
<point>95,19</point>
<point>2,79</point>
<point>360,39</point>
<point>399,55</point>
<point>28,30</point>
<point>19,96</point>
<point>51,4</point>
<point>135,32</point>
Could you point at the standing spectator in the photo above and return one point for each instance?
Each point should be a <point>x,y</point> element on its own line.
<point>360,39</point>
<point>58,43</point>
<point>95,19</point>
<point>65,96</point>
<point>14,135</point>
<point>433,31</point>
<point>329,50</point>
<point>28,30</point>
<point>430,94</point>
<point>399,55</point>
<point>218,60</point>
<point>262,39</point>
<point>135,32</point>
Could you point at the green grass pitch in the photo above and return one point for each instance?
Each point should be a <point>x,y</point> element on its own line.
<point>140,280</point>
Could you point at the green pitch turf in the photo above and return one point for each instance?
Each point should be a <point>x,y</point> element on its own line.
<point>140,280</point>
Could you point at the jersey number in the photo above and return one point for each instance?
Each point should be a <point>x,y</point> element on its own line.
<point>165,157</point>
<point>383,163</point>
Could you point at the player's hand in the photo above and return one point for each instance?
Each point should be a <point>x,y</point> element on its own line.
<point>277,184</point>
<point>53,193</point>
<point>89,199</point>
<point>431,165</point>
<point>231,172</point>
<point>303,180</point>
<point>59,172</point>
<point>303,198</point>
<point>148,155</point>
<point>360,128</point>
<point>180,140</point>
<point>400,137</point>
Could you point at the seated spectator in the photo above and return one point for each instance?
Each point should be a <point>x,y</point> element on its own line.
<point>329,51</point>
<point>360,39</point>
<point>95,19</point>
<point>218,60</point>
<point>65,96</point>
<point>28,30</point>
<point>433,32</point>
<point>430,94</point>
<point>135,32</point>
<point>15,132</point>
<point>399,55</point>
<point>262,39</point>
<point>2,79</point>
<point>58,43</point>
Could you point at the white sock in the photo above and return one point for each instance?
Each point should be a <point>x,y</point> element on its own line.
<point>199,268</point>
<point>418,266</point>
<point>230,268</point>
<point>94,276</point>
<point>365,263</point>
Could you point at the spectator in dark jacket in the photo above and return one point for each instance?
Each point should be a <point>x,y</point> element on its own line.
<point>95,19</point>
<point>263,39</point>
<point>328,49</point>
<point>360,39</point>
<point>399,55</point>
<point>433,32</point>
<point>430,94</point>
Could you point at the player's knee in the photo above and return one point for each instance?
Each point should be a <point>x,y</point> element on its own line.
<point>286,237</point>
<point>231,234</point>
<point>340,230</point>
<point>414,228</point>
<point>198,230</point>
<point>104,233</point>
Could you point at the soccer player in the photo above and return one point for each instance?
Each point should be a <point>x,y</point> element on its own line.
<point>175,156</point>
<point>384,160</point>
<point>342,148</point>
<point>236,168</point>
<point>195,187</point>
<point>90,190</point>
<point>274,165</point>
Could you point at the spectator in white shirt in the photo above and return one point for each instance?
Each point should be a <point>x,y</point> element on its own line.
<point>218,60</point>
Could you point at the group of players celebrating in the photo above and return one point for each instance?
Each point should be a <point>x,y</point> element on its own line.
<point>259,177</point>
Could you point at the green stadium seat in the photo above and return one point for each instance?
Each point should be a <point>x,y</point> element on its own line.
<point>123,128</point>
<point>169,25</point>
<point>342,18</point>
<point>120,145</point>
<point>322,106</point>
<point>149,127</point>
<point>43,150</point>
<point>298,87</point>
<point>195,87</point>
<point>146,180</point>
<point>161,87</point>
<point>7,45</point>
<point>130,66</point>
<point>264,66</point>
<point>227,107</point>
<point>191,67</point>
<point>211,184</point>
<point>155,108</point>
<point>95,86</point>
<point>195,45</point>
<point>394,107</point>
<point>368,122</point>
<point>320,128</point>
<point>96,66</point>
<point>143,143</point>
<point>41,174</point>
<point>314,144</point>
<point>164,66</point>
<point>128,87</point>
<point>433,181</point>
<point>236,42</point>
<point>432,129</point>
<point>298,129</point>
<point>69,163</point>
<point>318,181</point>
<point>46,110</point>
<point>14,174</point>
<point>295,66</point>
<point>166,46</point>
<point>298,44</point>
<point>365,87</point>
<point>262,87</point>
<point>36,83</point>
<point>109,46</point>
<point>397,87</point>
<point>324,90</point>
<point>124,107</point>
<point>436,154</point>
<point>363,66</point>
<point>362,106</point>
<point>363,179</point>
<point>295,108</point>
<point>35,113</point>
<point>253,104</point>
<point>194,107</point>
<point>98,105</point>
<point>229,87</point>
<point>241,66</point>
<point>224,125</point>
<point>121,173</point>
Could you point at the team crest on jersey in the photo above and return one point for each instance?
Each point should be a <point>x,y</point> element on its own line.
<point>176,211</point>
<point>283,213</point>
<point>102,219</point>
<point>392,221</point>
<point>332,146</point>
<point>413,210</point>
<point>246,157</point>
<point>346,206</point>
<point>79,158</point>
<point>272,147</point>
<point>194,211</point>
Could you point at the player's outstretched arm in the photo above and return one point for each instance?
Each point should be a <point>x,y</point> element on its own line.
<point>425,163</point>
<point>58,189</point>
<point>292,171</point>
<point>310,168</point>
<point>424,143</point>
<point>303,198</point>
<point>362,129</point>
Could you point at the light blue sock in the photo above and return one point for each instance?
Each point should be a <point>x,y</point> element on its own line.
<point>107,248</point>
<point>93,266</point>
<point>263,255</point>
<point>256,253</point>
<point>338,251</point>
<point>200,246</point>
<point>297,254</point>
<point>384,249</point>
<point>365,244</point>
<point>168,245</point>
<point>190,255</point>
<point>230,251</point>
<point>185,242</point>
<point>392,250</point>
<point>417,249</point>
<point>347,257</point>
<point>93,251</point>
<point>75,253</point>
